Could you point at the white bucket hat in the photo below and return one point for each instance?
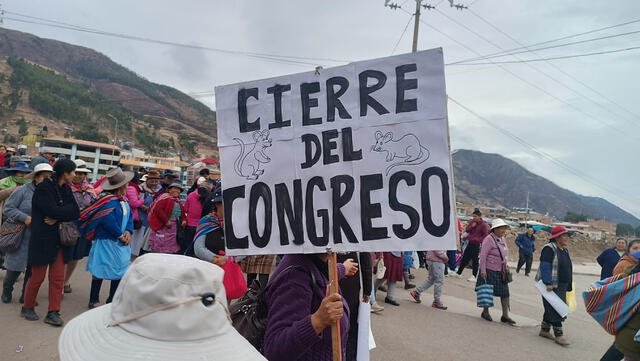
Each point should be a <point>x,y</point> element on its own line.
<point>162,311</point>
<point>497,223</point>
<point>81,166</point>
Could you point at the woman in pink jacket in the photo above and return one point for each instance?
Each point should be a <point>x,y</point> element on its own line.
<point>136,200</point>
<point>494,269</point>
<point>436,261</point>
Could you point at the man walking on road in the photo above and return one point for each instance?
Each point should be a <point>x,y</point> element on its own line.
<point>476,230</point>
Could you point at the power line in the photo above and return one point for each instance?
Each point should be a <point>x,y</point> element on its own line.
<point>585,177</point>
<point>554,58</point>
<point>550,47</point>
<point>599,93</point>
<point>530,83</point>
<point>402,35</point>
<point>529,48</point>
<point>263,56</point>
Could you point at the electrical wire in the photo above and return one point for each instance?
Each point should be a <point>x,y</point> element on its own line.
<point>482,57</point>
<point>587,86</point>
<point>584,176</point>
<point>263,56</point>
<point>554,58</point>
<point>402,35</point>
<point>533,85</point>
<point>548,47</point>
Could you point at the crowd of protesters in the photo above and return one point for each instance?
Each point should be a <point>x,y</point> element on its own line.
<point>59,218</point>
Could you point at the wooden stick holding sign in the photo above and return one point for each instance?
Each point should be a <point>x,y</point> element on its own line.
<point>334,287</point>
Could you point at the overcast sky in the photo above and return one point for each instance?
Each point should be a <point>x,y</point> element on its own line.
<point>582,129</point>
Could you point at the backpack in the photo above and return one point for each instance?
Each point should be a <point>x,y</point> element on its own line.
<point>249,313</point>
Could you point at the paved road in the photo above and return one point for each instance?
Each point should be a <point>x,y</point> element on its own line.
<point>411,330</point>
<point>404,333</point>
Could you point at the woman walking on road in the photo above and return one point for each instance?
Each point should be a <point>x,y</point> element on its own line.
<point>556,272</point>
<point>109,222</point>
<point>610,257</point>
<point>166,215</point>
<point>18,209</point>
<point>477,231</point>
<point>526,243</point>
<point>436,263</point>
<point>150,187</point>
<point>85,195</point>
<point>52,203</point>
<point>193,207</point>
<point>393,263</point>
<point>494,269</point>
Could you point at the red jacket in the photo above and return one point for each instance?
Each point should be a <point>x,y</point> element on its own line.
<point>477,232</point>
<point>161,212</point>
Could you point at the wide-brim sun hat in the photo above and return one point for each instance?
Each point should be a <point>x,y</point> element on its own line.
<point>167,308</point>
<point>20,167</point>
<point>558,231</point>
<point>81,166</point>
<point>176,185</point>
<point>497,223</point>
<point>116,178</point>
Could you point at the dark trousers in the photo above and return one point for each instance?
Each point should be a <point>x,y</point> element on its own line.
<point>525,259</point>
<point>612,354</point>
<point>470,255</point>
<point>187,241</point>
<point>10,279</point>
<point>452,259</point>
<point>422,257</point>
<point>551,316</point>
<point>96,284</point>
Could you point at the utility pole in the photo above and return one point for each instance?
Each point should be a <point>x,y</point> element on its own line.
<point>416,23</point>
<point>1,14</point>
<point>115,138</point>
<point>416,27</point>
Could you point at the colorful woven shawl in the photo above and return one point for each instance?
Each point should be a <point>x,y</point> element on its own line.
<point>612,301</point>
<point>207,224</point>
<point>83,188</point>
<point>89,216</point>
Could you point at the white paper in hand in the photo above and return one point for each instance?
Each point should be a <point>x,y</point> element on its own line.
<point>553,299</point>
<point>365,336</point>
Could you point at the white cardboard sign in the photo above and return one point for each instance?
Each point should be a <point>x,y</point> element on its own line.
<point>352,158</point>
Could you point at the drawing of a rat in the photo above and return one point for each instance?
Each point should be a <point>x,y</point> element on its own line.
<point>249,161</point>
<point>408,149</point>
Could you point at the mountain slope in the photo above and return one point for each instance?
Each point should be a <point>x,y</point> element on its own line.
<point>112,83</point>
<point>495,180</point>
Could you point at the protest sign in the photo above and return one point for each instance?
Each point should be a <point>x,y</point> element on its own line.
<point>352,158</point>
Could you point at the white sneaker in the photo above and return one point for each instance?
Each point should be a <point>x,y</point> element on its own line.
<point>375,308</point>
<point>471,279</point>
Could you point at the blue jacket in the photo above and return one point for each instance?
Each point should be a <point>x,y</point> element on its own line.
<point>608,259</point>
<point>110,226</point>
<point>526,244</point>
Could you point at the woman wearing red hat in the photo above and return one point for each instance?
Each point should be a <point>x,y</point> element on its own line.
<point>555,271</point>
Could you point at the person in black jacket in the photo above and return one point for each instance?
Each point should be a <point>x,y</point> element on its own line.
<point>52,203</point>
<point>350,288</point>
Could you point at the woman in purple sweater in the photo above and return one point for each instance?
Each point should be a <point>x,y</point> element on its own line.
<point>494,268</point>
<point>301,312</point>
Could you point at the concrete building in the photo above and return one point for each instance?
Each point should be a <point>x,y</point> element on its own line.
<point>137,158</point>
<point>100,157</point>
<point>607,226</point>
<point>193,170</point>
